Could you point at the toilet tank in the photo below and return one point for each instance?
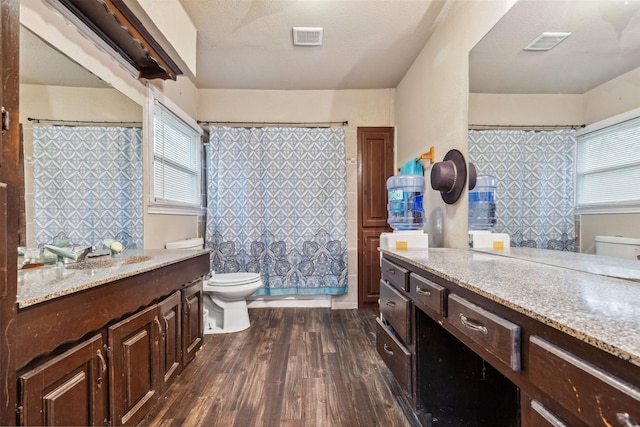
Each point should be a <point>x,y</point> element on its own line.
<point>191,243</point>
<point>617,246</point>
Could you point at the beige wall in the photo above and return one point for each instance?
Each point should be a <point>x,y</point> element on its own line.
<point>618,224</point>
<point>431,107</point>
<point>501,109</point>
<point>617,96</point>
<point>66,103</point>
<point>358,107</point>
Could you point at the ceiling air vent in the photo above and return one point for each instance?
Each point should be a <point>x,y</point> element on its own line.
<point>307,36</point>
<point>546,41</point>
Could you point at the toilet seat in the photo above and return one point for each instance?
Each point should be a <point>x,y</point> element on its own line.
<point>233,279</point>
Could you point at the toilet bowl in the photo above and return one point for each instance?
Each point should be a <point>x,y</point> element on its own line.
<point>225,298</point>
<point>224,295</point>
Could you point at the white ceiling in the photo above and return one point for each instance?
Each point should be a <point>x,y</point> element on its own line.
<point>366,44</point>
<point>246,44</point>
<point>605,43</point>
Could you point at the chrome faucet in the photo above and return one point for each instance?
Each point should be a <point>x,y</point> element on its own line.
<point>82,254</point>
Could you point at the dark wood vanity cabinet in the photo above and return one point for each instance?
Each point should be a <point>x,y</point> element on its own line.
<point>118,374</point>
<point>466,360</point>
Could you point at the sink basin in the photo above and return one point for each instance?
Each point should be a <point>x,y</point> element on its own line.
<point>108,262</point>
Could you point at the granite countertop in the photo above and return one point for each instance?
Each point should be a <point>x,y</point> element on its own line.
<point>42,284</point>
<point>600,310</point>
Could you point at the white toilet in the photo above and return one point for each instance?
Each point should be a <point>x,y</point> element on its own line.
<point>617,246</point>
<point>225,295</point>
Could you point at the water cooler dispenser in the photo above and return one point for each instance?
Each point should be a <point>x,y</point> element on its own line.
<point>405,213</point>
<point>482,203</point>
<point>482,215</point>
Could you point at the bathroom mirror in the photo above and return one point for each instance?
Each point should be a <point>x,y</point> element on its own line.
<point>591,75</point>
<point>55,90</point>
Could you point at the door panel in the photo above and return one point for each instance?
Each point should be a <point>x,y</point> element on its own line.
<point>134,344</point>
<point>375,166</point>
<point>375,149</point>
<point>370,279</point>
<point>171,339</point>
<point>193,324</point>
<point>68,390</point>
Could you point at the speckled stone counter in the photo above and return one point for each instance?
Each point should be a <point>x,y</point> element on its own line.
<point>599,310</point>
<point>45,283</point>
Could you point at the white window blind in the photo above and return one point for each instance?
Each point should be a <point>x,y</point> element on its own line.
<point>176,159</point>
<point>608,167</point>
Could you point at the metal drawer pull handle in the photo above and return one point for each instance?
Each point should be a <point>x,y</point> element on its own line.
<point>157,322</point>
<point>391,304</point>
<point>387,349</point>
<point>473,325</point>
<point>421,291</point>
<point>103,365</point>
<point>624,420</point>
<point>391,270</point>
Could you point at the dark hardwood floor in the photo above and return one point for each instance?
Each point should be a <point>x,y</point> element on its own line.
<point>292,367</point>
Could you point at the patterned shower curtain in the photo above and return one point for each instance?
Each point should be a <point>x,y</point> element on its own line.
<point>535,194</point>
<point>87,185</point>
<point>276,205</point>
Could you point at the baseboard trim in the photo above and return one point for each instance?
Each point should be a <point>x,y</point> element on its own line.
<point>290,301</point>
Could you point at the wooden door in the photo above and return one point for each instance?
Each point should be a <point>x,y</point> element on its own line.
<point>171,339</point>
<point>68,390</point>
<point>193,322</point>
<point>9,91</point>
<point>133,366</point>
<point>375,166</point>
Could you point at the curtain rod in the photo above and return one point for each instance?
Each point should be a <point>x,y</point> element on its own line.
<point>264,124</point>
<point>32,119</point>
<point>524,127</point>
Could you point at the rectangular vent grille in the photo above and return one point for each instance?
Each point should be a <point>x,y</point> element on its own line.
<point>546,41</point>
<point>307,36</point>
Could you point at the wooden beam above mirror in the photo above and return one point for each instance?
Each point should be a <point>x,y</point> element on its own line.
<point>116,24</point>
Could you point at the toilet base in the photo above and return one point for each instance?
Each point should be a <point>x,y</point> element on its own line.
<point>225,316</point>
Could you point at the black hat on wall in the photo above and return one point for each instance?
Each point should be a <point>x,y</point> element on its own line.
<point>449,176</point>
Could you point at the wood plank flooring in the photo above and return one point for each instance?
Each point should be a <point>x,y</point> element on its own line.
<point>292,367</point>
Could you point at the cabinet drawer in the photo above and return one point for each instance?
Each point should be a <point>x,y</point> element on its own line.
<point>542,417</point>
<point>427,293</point>
<point>395,356</point>
<point>498,337</point>
<point>396,275</point>
<point>595,396</point>
<point>395,309</point>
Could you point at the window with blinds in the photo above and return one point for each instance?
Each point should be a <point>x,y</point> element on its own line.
<point>608,168</point>
<point>176,160</point>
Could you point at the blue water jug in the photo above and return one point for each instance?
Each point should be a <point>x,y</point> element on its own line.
<point>405,209</point>
<point>482,203</point>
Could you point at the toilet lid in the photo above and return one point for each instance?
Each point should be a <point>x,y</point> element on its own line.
<point>233,278</point>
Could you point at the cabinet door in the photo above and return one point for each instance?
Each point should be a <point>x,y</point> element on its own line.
<point>171,340</point>
<point>133,367</point>
<point>193,323</point>
<point>369,268</point>
<point>68,390</point>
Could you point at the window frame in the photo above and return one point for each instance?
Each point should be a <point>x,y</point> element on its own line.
<point>611,207</point>
<point>154,97</point>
